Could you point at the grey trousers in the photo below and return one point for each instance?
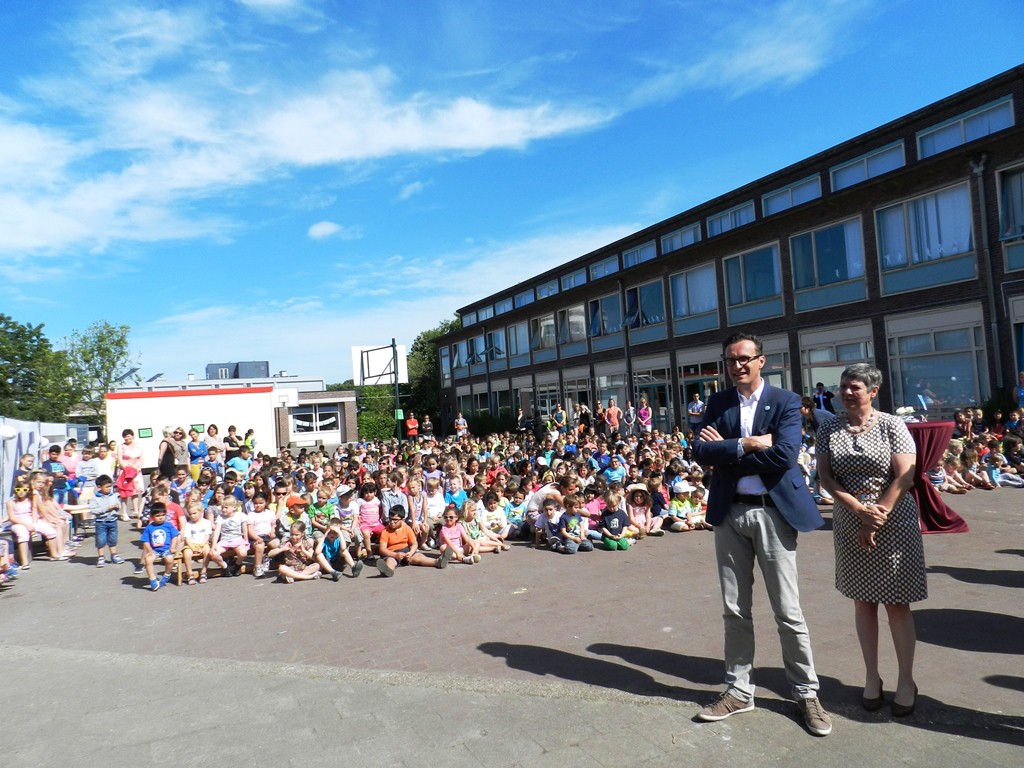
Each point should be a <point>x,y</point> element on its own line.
<point>761,534</point>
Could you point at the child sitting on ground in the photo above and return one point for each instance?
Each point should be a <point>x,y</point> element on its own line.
<point>972,470</point>
<point>332,552</point>
<point>481,540</point>
<point>452,537</point>
<point>572,533</point>
<point>638,509</point>
<point>298,560</point>
<point>371,518</point>
<point>614,524</point>
<point>261,526</point>
<point>230,536</point>
<point>160,540</point>
<point>196,535</point>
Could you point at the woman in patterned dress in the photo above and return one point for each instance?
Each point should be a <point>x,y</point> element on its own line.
<point>866,462</point>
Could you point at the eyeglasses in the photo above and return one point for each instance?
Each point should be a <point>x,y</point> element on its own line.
<point>20,488</point>
<point>395,519</point>
<point>741,362</point>
<point>451,517</point>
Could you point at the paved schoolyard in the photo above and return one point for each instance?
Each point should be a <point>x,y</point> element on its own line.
<point>529,658</point>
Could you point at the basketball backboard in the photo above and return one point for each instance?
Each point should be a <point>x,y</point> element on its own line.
<point>376,365</point>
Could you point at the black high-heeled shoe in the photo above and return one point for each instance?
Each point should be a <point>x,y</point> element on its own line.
<point>874,703</point>
<point>904,710</point>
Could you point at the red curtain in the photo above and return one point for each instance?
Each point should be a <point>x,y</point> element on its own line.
<point>932,439</point>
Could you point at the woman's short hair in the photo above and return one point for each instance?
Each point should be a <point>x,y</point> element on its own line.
<point>865,373</point>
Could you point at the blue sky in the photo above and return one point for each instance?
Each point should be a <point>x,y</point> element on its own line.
<point>282,179</point>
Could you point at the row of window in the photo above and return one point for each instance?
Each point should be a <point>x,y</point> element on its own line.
<point>924,229</point>
<point>949,134</point>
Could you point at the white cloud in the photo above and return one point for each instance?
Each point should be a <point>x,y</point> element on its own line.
<point>323,229</point>
<point>388,299</point>
<point>142,147</point>
<point>411,189</point>
<point>781,43</point>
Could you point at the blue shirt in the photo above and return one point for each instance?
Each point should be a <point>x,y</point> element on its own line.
<point>160,536</point>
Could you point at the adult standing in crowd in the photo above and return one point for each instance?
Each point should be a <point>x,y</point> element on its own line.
<point>612,416</point>
<point>629,419</point>
<point>823,398</point>
<point>758,501</point>
<point>866,460</point>
<point>461,425</point>
<point>412,426</point>
<point>165,454</point>
<point>645,417</point>
<point>130,460</point>
<point>197,453</point>
<point>231,444</point>
<point>213,440</point>
<point>695,412</point>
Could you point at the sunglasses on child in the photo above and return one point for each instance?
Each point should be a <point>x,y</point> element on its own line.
<point>451,517</point>
<point>18,488</point>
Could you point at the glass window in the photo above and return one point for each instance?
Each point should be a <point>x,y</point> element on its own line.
<point>524,298</point>
<point>968,127</point>
<point>572,325</point>
<point>604,267</point>
<point>735,217</point>
<point>502,306</point>
<point>638,255</point>
<point>753,275</point>
<point>868,166</point>
<point>485,313</point>
<point>645,305</point>
<point>446,365</point>
<point>574,279</point>
<point>315,418</point>
<point>518,339</point>
<point>476,350</point>
<point>795,194</point>
<point>461,352</point>
<point>681,238</point>
<point>549,288</point>
<point>605,315</point>
<point>940,367</point>
<point>542,332</point>
<point>496,345</point>
<point>925,229</point>
<point>469,318</point>
<point>1011,205</point>
<point>694,292</point>
<point>827,255</point>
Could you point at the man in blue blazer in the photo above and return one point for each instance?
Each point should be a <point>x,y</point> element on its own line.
<point>757,502</point>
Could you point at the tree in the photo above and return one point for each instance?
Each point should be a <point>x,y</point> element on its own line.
<point>99,356</point>
<point>35,379</point>
<point>376,404</point>
<point>424,370</point>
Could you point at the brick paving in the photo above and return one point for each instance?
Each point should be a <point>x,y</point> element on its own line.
<point>530,658</point>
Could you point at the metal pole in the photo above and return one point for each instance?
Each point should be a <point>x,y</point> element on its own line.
<point>394,369</point>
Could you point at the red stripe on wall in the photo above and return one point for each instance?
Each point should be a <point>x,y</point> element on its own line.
<point>186,393</point>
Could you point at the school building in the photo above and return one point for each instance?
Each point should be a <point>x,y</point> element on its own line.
<point>903,247</point>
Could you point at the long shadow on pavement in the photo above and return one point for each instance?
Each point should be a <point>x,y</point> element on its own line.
<point>932,715</point>
<point>966,630</point>
<point>981,576</point>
